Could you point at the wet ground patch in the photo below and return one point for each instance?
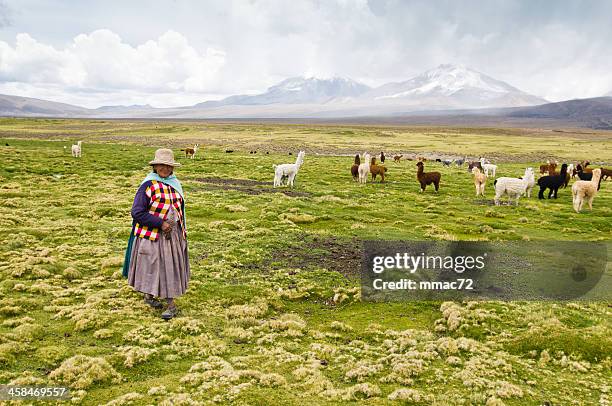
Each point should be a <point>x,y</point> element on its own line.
<point>250,187</point>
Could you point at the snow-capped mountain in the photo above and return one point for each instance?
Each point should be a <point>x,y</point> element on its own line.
<point>447,87</point>
<point>452,86</point>
<point>297,90</point>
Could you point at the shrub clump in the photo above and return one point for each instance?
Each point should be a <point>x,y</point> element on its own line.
<point>81,371</point>
<point>410,395</point>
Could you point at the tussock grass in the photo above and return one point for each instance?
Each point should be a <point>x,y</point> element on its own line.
<point>255,326</point>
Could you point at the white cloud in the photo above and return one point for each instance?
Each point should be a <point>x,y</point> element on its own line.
<point>100,62</point>
<point>32,62</point>
<point>175,53</point>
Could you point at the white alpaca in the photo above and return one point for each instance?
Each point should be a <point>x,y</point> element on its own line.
<point>513,187</point>
<point>76,150</point>
<point>480,180</point>
<point>488,167</point>
<point>585,190</point>
<point>364,168</point>
<point>570,170</point>
<point>288,170</point>
<point>529,176</point>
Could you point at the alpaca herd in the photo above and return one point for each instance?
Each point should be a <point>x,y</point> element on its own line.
<point>583,190</point>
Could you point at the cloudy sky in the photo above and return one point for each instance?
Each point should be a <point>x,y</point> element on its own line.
<point>174,52</point>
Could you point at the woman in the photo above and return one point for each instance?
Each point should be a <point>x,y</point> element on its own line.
<point>156,260</point>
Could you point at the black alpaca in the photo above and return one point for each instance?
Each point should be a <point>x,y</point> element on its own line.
<point>355,167</point>
<point>582,174</point>
<point>552,182</point>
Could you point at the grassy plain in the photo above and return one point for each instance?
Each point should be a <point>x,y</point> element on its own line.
<point>273,314</point>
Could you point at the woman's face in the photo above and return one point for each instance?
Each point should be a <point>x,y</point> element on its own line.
<point>163,170</point>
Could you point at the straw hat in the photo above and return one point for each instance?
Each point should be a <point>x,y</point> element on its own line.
<point>164,156</point>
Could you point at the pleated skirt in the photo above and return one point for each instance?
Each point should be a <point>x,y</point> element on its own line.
<point>160,268</point>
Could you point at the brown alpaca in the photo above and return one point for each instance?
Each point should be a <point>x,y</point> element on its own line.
<point>397,158</point>
<point>190,152</point>
<point>421,159</point>
<point>427,178</point>
<point>549,168</point>
<point>606,173</point>
<point>377,170</point>
<point>355,168</point>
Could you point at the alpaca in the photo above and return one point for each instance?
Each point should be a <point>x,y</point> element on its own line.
<point>76,150</point>
<point>549,168</point>
<point>364,168</point>
<point>529,176</point>
<point>474,164</point>
<point>447,162</point>
<point>584,190</point>
<point>488,167</point>
<point>552,182</point>
<point>377,170</point>
<point>460,161</point>
<point>583,172</point>
<point>288,170</point>
<point>513,187</point>
<point>397,158</point>
<point>480,180</point>
<point>355,168</point>
<point>427,178</point>
<point>190,152</point>
<point>382,157</point>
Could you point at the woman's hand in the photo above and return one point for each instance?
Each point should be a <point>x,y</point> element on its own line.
<point>166,227</point>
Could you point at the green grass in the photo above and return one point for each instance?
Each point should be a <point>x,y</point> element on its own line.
<point>281,254</point>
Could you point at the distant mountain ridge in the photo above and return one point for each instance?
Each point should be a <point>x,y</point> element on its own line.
<point>595,113</point>
<point>448,93</point>
<point>297,90</point>
<point>30,107</point>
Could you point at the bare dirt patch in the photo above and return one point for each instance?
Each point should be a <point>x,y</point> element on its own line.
<point>314,252</point>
